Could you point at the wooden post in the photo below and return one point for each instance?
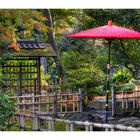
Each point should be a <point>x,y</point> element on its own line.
<point>55,105</point>
<point>35,123</point>
<point>67,127</point>
<point>112,129</point>
<point>43,124</point>
<point>137,99</point>
<point>61,104</point>
<point>134,100</point>
<point>35,83</point>
<point>81,99</point>
<point>122,102</point>
<point>48,104</point>
<point>90,128</point>
<point>18,104</point>
<point>24,104</point>
<point>113,101</point>
<point>106,129</point>
<point>39,103</point>
<point>21,122</point>
<point>50,125</point>
<point>66,102</point>
<point>39,75</point>
<point>20,80</point>
<point>87,126</point>
<point>73,98</point>
<point>33,104</point>
<point>126,101</point>
<point>53,124</point>
<point>71,126</point>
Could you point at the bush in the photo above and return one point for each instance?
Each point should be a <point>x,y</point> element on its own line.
<point>123,76</point>
<point>7,109</point>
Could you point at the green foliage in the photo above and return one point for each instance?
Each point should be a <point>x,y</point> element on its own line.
<point>7,109</point>
<point>128,86</point>
<point>125,52</point>
<point>7,106</point>
<point>81,71</point>
<point>123,76</point>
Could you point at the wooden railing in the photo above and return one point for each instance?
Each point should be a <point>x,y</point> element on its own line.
<point>128,99</point>
<point>123,101</point>
<point>52,103</point>
<point>43,123</point>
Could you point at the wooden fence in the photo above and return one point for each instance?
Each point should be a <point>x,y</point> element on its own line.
<point>43,123</point>
<point>52,103</point>
<point>123,101</point>
<point>128,100</point>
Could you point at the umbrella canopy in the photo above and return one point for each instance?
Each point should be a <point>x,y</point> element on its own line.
<point>109,31</point>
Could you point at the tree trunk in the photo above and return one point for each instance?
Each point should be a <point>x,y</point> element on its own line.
<point>51,40</point>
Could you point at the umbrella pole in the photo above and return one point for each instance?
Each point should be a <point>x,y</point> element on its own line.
<point>108,82</point>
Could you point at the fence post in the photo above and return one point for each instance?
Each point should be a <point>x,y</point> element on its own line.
<point>87,126</point>
<point>123,102</point>
<point>43,124</point>
<point>112,129</point>
<point>20,79</point>
<point>33,104</point>
<point>106,129</point>
<point>50,124</point>
<point>53,123</point>
<point>90,128</point>
<point>67,127</point>
<point>81,99</point>
<point>55,105</point>
<point>35,123</point>
<point>113,101</point>
<point>21,122</point>
<point>134,100</point>
<point>71,126</point>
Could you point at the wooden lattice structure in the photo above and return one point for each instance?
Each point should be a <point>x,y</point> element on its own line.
<point>127,101</point>
<point>49,104</point>
<point>22,72</point>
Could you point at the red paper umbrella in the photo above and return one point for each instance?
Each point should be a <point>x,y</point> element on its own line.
<point>108,32</point>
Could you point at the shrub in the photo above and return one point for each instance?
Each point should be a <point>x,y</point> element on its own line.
<point>7,109</point>
<point>123,76</point>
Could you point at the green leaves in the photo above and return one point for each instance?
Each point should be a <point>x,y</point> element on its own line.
<point>7,109</point>
<point>123,76</point>
<point>81,71</point>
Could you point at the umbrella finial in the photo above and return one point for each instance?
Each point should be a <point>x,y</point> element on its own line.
<point>110,23</point>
